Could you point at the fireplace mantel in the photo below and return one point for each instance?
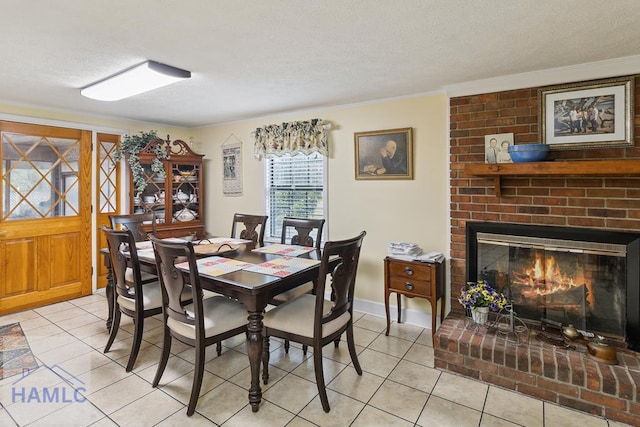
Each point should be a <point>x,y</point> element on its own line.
<point>562,168</point>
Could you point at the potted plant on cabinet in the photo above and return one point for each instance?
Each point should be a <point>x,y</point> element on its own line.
<point>130,147</point>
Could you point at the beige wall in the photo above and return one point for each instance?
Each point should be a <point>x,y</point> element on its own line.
<point>415,210</point>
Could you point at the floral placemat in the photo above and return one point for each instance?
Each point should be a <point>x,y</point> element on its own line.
<point>283,267</point>
<point>216,266</point>
<point>281,249</point>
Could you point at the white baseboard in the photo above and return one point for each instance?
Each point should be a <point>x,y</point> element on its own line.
<point>412,317</point>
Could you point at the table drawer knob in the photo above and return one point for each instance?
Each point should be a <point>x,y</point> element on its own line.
<point>409,271</point>
<point>409,286</point>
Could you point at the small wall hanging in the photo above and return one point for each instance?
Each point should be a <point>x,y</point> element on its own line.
<point>232,167</point>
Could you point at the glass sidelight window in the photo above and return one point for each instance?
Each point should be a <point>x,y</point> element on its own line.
<point>40,176</point>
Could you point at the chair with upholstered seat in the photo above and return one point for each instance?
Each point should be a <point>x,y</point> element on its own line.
<point>314,320</point>
<point>136,223</point>
<point>203,322</point>
<point>303,232</point>
<point>254,227</point>
<point>132,298</point>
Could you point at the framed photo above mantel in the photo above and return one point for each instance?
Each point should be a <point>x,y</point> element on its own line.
<point>587,115</point>
<point>384,154</point>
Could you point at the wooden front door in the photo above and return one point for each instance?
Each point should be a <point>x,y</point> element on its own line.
<point>107,195</point>
<point>45,221</point>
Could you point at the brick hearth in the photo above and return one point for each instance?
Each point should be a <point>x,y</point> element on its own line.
<point>566,377</point>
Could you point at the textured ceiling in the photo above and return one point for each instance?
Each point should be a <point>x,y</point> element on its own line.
<point>258,58</point>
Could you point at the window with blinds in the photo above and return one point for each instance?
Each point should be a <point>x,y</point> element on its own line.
<point>296,188</point>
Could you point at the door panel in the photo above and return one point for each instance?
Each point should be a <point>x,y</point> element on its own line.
<point>65,259</point>
<point>18,252</point>
<point>45,224</point>
<point>107,195</point>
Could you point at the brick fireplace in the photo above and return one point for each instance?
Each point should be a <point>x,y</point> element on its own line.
<point>597,202</point>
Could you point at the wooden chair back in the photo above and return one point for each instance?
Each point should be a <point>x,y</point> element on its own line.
<point>135,223</point>
<point>168,254</point>
<point>120,243</point>
<point>342,280</point>
<point>305,231</point>
<point>254,227</point>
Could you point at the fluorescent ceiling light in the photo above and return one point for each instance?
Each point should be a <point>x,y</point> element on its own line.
<point>133,81</point>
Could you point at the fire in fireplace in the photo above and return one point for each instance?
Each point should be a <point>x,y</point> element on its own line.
<point>588,278</point>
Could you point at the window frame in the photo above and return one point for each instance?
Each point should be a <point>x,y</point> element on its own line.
<point>269,237</point>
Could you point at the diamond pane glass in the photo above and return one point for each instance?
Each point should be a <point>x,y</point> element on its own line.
<point>107,177</point>
<point>39,176</point>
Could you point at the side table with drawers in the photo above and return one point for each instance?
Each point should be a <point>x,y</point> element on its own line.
<point>415,279</point>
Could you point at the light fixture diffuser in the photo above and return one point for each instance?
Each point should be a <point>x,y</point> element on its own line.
<point>133,81</point>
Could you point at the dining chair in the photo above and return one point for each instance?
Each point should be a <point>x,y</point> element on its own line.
<point>303,232</point>
<point>254,227</point>
<point>131,297</point>
<point>316,321</point>
<point>202,322</point>
<point>136,224</point>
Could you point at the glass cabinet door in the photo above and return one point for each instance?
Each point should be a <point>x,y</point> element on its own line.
<point>185,192</point>
<point>152,199</point>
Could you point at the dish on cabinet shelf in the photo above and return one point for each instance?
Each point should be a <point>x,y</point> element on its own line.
<point>181,196</point>
<point>185,215</point>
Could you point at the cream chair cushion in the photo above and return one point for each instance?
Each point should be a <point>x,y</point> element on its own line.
<point>151,297</point>
<point>292,293</point>
<point>144,276</point>
<point>220,314</point>
<point>296,317</point>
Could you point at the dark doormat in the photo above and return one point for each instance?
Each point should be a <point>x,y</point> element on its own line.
<point>15,353</point>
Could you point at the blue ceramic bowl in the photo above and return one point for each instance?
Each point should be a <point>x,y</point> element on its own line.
<point>528,152</point>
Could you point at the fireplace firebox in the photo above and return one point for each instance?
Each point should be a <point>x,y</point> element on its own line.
<point>585,277</point>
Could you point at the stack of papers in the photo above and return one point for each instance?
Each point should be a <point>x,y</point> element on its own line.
<point>403,248</point>
<point>412,252</point>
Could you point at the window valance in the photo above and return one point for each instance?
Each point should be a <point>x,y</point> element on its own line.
<point>293,138</point>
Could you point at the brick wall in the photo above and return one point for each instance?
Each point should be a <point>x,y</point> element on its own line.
<point>585,201</point>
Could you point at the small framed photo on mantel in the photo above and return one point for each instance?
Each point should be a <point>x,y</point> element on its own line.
<point>496,148</point>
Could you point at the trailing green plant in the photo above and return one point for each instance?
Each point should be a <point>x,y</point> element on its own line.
<point>130,147</point>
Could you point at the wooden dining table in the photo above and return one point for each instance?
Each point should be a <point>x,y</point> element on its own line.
<point>254,290</point>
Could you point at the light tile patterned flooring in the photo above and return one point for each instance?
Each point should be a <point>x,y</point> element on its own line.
<point>399,385</point>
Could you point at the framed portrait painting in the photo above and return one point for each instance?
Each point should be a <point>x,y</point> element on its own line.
<point>384,154</point>
<point>587,115</point>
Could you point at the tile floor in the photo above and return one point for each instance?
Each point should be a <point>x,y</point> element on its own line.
<point>79,385</point>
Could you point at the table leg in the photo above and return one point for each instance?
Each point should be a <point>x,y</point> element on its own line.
<point>254,345</point>
<point>109,290</point>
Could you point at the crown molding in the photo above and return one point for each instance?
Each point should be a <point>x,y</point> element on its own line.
<point>573,73</point>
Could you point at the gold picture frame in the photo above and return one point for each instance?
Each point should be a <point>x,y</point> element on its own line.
<point>587,115</point>
<point>384,154</point>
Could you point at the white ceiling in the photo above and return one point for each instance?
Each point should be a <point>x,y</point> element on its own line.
<point>255,58</point>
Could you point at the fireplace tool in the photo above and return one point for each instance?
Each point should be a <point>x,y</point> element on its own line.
<point>509,324</point>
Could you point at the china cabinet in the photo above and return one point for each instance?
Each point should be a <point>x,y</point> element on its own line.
<point>175,196</point>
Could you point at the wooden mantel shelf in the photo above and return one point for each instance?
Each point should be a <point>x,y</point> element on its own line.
<point>564,168</point>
